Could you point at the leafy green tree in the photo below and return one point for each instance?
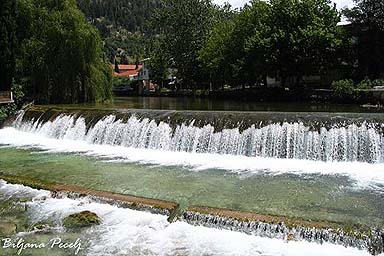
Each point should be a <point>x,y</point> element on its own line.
<point>304,37</point>
<point>184,25</point>
<point>367,18</point>
<point>7,43</point>
<point>216,52</point>
<point>286,38</point>
<point>158,63</point>
<point>254,58</point>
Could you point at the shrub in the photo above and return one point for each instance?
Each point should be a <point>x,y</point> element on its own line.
<point>343,88</point>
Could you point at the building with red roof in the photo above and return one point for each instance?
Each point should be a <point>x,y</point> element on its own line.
<point>129,71</point>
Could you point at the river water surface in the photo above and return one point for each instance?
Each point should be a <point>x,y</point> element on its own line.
<point>286,168</point>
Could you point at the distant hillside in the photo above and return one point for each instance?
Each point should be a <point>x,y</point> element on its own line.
<point>122,25</point>
<point>130,14</point>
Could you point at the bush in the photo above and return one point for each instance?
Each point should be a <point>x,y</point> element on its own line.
<point>6,111</point>
<point>18,94</point>
<point>369,84</point>
<point>378,82</point>
<point>343,88</point>
<point>347,90</point>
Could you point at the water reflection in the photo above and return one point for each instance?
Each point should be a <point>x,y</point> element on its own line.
<point>190,103</point>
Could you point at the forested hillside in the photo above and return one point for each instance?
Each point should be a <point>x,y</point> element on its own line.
<point>130,14</point>
<point>122,25</point>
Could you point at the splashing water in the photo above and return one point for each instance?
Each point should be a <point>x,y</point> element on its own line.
<point>129,232</point>
<point>361,143</point>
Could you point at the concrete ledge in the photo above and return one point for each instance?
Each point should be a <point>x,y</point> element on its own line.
<point>125,201</point>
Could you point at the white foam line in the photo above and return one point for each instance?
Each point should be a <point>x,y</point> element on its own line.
<point>365,174</point>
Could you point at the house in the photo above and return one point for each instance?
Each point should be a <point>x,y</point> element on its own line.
<point>128,71</point>
<point>135,72</point>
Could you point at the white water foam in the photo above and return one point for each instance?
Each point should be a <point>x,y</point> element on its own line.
<point>129,232</point>
<point>347,143</point>
<point>365,174</point>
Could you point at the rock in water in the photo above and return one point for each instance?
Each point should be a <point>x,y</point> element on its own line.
<point>82,219</point>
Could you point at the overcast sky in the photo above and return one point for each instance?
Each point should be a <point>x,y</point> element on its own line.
<point>240,3</point>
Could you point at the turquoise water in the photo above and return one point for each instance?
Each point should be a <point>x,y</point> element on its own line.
<point>316,197</point>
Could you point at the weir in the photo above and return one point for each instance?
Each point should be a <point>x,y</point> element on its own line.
<point>288,229</point>
<point>371,240</point>
<point>318,137</point>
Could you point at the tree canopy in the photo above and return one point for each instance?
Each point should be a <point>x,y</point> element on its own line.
<point>184,26</point>
<point>60,57</point>
<point>368,19</point>
<point>286,38</point>
<point>7,43</point>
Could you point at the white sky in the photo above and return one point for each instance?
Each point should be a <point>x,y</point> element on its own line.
<point>240,3</point>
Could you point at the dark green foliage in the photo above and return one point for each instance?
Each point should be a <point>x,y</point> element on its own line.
<point>304,37</point>
<point>343,88</point>
<point>7,43</point>
<point>158,63</point>
<point>286,38</point>
<point>221,50</point>
<point>124,81</point>
<point>60,58</point>
<point>184,26</point>
<point>122,25</point>
<point>367,18</point>
<point>346,90</point>
<point>10,109</point>
<point>129,14</point>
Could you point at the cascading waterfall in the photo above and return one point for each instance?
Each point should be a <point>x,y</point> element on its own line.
<point>374,242</point>
<point>352,142</point>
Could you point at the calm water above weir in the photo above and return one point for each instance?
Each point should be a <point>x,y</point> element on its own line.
<point>190,103</point>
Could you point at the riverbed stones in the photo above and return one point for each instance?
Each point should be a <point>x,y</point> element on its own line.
<point>81,219</point>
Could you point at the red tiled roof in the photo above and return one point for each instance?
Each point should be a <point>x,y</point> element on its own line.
<point>130,67</point>
<point>127,70</point>
<point>127,73</point>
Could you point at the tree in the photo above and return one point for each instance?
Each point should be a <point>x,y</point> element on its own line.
<point>254,61</point>
<point>7,43</point>
<point>304,37</point>
<point>367,17</point>
<point>60,57</point>
<point>184,25</point>
<point>286,38</point>
<point>158,62</point>
<point>215,52</point>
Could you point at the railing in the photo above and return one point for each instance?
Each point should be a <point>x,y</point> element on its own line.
<point>6,97</point>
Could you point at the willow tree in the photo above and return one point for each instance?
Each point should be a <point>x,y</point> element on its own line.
<point>7,43</point>
<point>60,56</point>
